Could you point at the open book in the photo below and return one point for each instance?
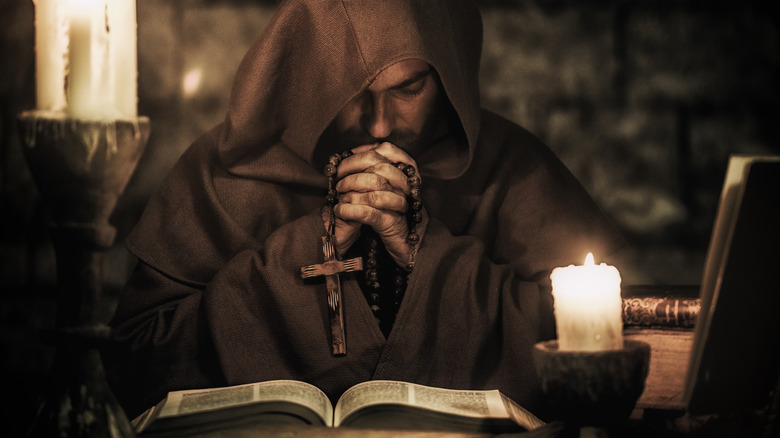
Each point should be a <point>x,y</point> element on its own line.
<point>376,404</point>
<point>736,351</point>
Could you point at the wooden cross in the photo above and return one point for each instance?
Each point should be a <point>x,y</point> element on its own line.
<point>331,269</point>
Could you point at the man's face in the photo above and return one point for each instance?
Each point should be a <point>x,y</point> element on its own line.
<point>397,107</point>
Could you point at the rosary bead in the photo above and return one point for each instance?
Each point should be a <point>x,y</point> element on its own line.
<point>409,268</point>
<point>334,159</point>
<point>415,193</point>
<point>412,238</point>
<point>330,170</point>
<point>346,154</point>
<point>416,217</point>
<point>373,284</point>
<point>417,205</point>
<point>413,181</point>
<point>400,281</point>
<point>410,171</point>
<point>371,275</point>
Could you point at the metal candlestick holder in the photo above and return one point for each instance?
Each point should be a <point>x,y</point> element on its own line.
<point>593,389</point>
<point>81,168</point>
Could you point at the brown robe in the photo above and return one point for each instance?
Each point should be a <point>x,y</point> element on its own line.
<point>217,297</point>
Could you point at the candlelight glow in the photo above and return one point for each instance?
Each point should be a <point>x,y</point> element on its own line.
<point>191,82</point>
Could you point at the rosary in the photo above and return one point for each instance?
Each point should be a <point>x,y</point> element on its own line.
<point>332,266</point>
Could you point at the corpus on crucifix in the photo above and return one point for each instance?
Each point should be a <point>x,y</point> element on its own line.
<point>331,268</point>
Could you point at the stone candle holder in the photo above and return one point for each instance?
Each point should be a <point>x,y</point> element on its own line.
<point>81,168</point>
<point>598,388</point>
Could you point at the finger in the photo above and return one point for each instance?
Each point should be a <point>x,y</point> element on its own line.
<point>390,226</point>
<point>402,160</point>
<point>363,214</point>
<point>359,162</point>
<point>365,182</point>
<point>369,155</point>
<point>394,175</point>
<point>394,154</point>
<point>364,148</point>
<point>345,232</point>
<point>379,200</point>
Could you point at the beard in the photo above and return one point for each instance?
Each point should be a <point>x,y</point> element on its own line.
<point>334,140</point>
<point>442,122</point>
<point>407,140</point>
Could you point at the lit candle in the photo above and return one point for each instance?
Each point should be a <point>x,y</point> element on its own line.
<point>88,94</point>
<point>86,58</point>
<point>51,51</point>
<point>123,62</point>
<point>588,311</point>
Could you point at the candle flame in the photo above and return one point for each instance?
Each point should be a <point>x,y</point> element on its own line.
<point>589,260</point>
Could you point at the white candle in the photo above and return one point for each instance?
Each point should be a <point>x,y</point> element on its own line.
<point>51,51</point>
<point>86,58</point>
<point>124,63</point>
<point>89,96</point>
<point>588,307</point>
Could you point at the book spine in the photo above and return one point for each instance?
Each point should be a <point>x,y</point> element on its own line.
<point>661,311</point>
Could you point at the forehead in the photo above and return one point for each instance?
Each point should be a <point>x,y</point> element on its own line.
<point>398,73</point>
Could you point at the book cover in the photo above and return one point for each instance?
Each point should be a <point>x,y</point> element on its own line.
<point>736,352</point>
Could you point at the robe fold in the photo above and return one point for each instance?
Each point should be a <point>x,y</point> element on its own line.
<point>217,298</point>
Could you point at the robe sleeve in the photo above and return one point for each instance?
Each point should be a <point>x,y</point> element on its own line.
<point>470,323</point>
<point>167,331</point>
<point>480,292</point>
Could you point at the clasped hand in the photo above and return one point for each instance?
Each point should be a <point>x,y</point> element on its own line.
<point>373,191</point>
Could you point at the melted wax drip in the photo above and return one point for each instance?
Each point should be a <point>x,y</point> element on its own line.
<point>56,126</point>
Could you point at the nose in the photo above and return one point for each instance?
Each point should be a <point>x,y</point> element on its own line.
<point>379,117</point>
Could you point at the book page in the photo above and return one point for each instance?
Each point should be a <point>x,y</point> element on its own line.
<point>520,414</point>
<point>468,403</point>
<point>200,400</point>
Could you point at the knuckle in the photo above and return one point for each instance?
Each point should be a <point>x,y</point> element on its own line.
<point>389,168</point>
<point>403,206</point>
<point>376,157</point>
<point>387,146</point>
<point>377,182</point>
<point>374,168</point>
<point>373,199</point>
<point>374,216</point>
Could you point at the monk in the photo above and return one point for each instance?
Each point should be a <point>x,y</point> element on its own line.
<point>354,129</point>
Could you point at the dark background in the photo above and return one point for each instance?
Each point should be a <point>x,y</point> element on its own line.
<point>643,100</point>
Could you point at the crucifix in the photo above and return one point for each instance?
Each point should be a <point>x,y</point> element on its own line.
<point>331,269</point>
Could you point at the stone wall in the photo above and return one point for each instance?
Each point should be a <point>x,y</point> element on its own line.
<point>643,100</point>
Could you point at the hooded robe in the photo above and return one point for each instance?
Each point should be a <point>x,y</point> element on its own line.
<point>217,298</point>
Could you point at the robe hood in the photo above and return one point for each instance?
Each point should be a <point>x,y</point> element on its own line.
<point>317,55</point>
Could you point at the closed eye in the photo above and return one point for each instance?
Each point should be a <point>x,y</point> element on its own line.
<point>413,90</point>
<point>413,86</point>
